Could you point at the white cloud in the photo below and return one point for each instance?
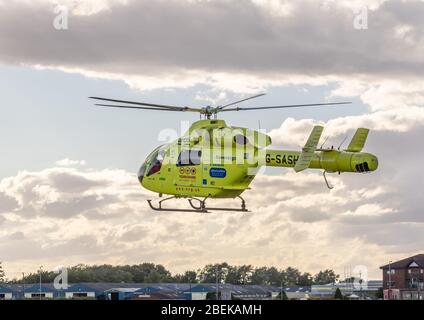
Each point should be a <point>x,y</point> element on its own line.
<point>250,45</point>
<point>68,214</point>
<point>74,215</point>
<point>295,132</point>
<point>77,7</point>
<point>369,210</point>
<point>382,94</point>
<point>70,163</point>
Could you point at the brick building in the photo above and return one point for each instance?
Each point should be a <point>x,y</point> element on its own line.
<point>404,279</point>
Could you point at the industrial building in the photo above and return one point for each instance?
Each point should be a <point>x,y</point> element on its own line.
<point>404,279</point>
<point>178,291</point>
<point>5,293</point>
<point>363,290</point>
<point>137,291</point>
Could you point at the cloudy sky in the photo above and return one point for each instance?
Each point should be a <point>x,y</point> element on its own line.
<point>68,189</point>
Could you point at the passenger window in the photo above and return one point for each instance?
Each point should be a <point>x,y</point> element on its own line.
<point>241,139</point>
<point>156,163</point>
<point>189,158</point>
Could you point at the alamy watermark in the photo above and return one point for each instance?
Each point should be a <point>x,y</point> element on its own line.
<point>360,282</point>
<point>61,20</point>
<point>61,280</point>
<point>360,21</point>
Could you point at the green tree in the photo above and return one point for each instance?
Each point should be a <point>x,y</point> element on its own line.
<point>152,273</point>
<point>213,272</point>
<point>305,280</point>
<point>212,296</point>
<point>267,276</point>
<point>260,276</point>
<point>186,277</point>
<point>153,277</point>
<point>239,274</point>
<point>2,274</point>
<point>380,293</point>
<point>143,273</point>
<point>326,277</point>
<point>338,295</point>
<point>284,296</point>
<point>291,276</point>
<point>245,273</point>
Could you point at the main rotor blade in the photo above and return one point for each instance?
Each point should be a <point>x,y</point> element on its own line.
<point>288,106</point>
<point>146,104</point>
<point>240,101</point>
<point>140,108</point>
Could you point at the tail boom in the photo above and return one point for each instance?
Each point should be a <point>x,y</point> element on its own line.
<point>330,161</point>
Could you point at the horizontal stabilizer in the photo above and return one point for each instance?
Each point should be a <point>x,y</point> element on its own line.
<point>358,140</point>
<point>309,150</point>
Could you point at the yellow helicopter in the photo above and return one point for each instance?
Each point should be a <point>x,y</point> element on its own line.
<point>214,160</point>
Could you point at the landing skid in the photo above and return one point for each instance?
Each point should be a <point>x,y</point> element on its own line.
<point>201,208</point>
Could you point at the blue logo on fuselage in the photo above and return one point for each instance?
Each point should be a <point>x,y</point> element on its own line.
<point>218,173</point>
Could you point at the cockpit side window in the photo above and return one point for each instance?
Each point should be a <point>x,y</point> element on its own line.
<point>156,162</point>
<point>189,158</point>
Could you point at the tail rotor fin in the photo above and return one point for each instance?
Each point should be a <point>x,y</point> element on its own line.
<point>358,140</point>
<point>309,150</point>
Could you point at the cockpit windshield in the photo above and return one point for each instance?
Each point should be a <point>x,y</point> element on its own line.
<point>152,165</point>
<point>155,162</point>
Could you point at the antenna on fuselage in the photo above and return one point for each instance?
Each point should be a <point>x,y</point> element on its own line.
<point>341,144</point>
<point>322,146</point>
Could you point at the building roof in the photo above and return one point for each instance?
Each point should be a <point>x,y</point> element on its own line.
<point>201,288</point>
<point>297,289</point>
<point>123,290</point>
<point>151,289</point>
<point>4,289</point>
<point>45,288</point>
<point>405,263</point>
<point>160,296</point>
<point>80,287</point>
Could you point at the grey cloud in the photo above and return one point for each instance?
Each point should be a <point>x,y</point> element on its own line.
<point>82,245</point>
<point>102,213</point>
<point>264,241</point>
<point>299,214</point>
<point>63,194</point>
<point>78,205</point>
<point>157,37</point>
<point>7,203</point>
<point>309,215</point>
<point>135,233</point>
<point>402,237</point>
<point>400,173</point>
<point>16,236</point>
<point>400,180</point>
<point>73,183</point>
<point>280,221</point>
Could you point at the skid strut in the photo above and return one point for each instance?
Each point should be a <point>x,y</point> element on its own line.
<point>159,208</point>
<point>329,186</point>
<point>201,207</point>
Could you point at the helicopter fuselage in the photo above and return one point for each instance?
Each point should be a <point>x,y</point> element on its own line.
<point>216,161</point>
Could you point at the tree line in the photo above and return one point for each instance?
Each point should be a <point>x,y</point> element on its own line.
<point>211,273</point>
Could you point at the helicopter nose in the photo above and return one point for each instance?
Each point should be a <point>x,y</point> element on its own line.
<point>141,173</point>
